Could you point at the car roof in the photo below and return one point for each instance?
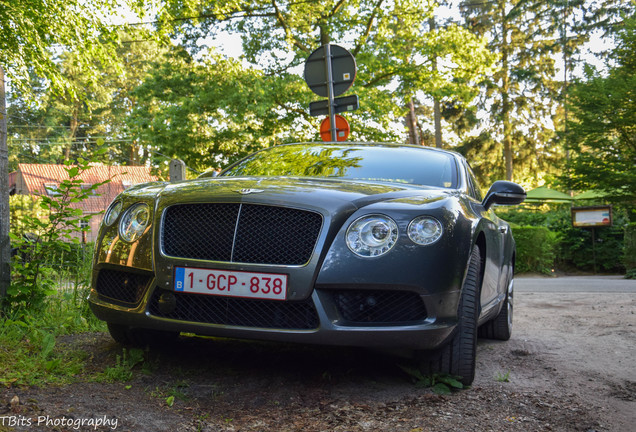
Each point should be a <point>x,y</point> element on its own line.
<point>367,144</point>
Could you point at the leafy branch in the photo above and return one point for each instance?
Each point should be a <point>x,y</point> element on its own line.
<point>45,237</point>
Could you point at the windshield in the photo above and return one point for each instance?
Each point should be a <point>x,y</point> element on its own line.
<point>410,165</point>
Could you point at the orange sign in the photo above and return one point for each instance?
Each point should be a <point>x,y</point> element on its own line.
<point>342,129</point>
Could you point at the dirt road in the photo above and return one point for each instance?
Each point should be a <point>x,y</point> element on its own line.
<point>570,366</point>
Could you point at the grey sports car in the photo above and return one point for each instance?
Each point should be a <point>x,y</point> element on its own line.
<point>369,245</point>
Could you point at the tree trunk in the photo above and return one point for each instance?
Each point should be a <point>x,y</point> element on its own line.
<point>411,121</point>
<point>505,96</point>
<point>5,244</point>
<point>437,112</point>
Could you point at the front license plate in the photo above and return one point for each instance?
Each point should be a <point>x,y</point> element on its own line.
<point>231,283</point>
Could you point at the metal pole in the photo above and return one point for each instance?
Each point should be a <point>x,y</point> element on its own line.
<point>330,103</point>
<point>5,245</point>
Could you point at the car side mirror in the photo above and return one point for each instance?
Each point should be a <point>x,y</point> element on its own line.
<point>504,193</point>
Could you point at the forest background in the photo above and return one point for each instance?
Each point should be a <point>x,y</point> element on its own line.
<point>506,83</point>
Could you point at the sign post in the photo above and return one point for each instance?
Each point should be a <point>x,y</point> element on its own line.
<point>330,71</point>
<point>592,217</point>
<point>330,96</point>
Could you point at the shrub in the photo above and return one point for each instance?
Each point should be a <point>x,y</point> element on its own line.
<point>578,250</point>
<point>45,244</point>
<point>630,250</point>
<point>574,249</point>
<point>535,249</point>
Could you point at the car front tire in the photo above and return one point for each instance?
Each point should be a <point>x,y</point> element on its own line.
<point>457,357</point>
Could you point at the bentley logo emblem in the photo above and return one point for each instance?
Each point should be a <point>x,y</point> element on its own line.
<point>249,191</point>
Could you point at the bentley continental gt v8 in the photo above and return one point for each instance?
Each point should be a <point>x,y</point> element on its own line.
<point>367,245</point>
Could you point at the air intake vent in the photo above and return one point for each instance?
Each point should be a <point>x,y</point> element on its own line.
<point>299,315</point>
<point>124,287</point>
<point>379,307</point>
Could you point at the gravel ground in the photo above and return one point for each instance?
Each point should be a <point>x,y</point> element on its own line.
<point>568,367</point>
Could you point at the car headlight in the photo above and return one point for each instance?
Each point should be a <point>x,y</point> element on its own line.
<point>372,235</point>
<point>425,230</point>
<point>134,222</point>
<point>112,213</point>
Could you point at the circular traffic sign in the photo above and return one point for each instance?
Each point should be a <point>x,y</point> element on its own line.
<point>342,129</point>
<point>343,70</point>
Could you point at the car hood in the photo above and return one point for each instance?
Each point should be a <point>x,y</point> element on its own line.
<point>327,194</point>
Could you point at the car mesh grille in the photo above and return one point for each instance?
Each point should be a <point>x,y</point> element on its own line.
<point>121,286</point>
<point>381,307</point>
<point>245,233</point>
<point>299,315</point>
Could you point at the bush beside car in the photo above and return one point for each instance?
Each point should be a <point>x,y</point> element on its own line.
<point>630,250</point>
<point>535,249</point>
<point>572,247</point>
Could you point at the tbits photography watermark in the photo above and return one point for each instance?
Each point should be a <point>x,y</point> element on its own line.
<point>70,423</point>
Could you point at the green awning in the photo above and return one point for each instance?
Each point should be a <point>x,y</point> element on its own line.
<point>544,194</point>
<point>591,195</point>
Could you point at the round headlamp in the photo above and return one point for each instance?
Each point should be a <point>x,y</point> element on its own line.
<point>112,213</point>
<point>372,235</point>
<point>425,230</point>
<point>134,222</point>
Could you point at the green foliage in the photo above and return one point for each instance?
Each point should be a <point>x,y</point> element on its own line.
<point>502,376</point>
<point>399,57</point>
<point>63,125</point>
<point>123,369</point>
<point>45,238</point>
<point>535,249</point>
<point>30,349</point>
<point>170,393</point>
<point>212,112</point>
<point>32,31</point>
<point>630,250</point>
<point>602,129</point>
<point>577,250</point>
<point>439,383</point>
<point>573,248</point>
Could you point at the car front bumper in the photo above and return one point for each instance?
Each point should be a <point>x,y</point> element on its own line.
<point>361,316</point>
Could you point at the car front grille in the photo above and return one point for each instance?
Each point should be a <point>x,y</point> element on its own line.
<point>121,286</point>
<point>360,307</point>
<point>297,315</point>
<point>242,233</point>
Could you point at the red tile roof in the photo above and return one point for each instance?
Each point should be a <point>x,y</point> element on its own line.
<point>36,176</point>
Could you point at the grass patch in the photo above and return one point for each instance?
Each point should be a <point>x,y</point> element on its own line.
<point>438,383</point>
<point>123,369</point>
<point>502,376</point>
<point>29,352</point>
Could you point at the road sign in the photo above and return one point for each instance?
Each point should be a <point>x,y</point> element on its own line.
<point>341,104</point>
<point>343,70</point>
<point>342,129</point>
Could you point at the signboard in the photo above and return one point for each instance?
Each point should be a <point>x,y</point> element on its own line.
<point>342,129</point>
<point>587,217</point>
<point>340,63</point>
<point>341,104</point>
<point>330,71</point>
